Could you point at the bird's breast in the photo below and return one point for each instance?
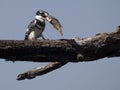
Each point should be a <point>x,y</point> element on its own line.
<point>35,34</point>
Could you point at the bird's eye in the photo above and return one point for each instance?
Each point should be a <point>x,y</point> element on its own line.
<point>44,14</point>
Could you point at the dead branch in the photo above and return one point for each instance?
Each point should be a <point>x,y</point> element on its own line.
<point>40,70</point>
<point>64,50</point>
<point>59,52</point>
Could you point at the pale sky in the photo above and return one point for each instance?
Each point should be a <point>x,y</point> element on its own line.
<point>79,18</point>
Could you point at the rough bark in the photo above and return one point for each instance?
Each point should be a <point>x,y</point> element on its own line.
<point>68,50</point>
<point>59,52</point>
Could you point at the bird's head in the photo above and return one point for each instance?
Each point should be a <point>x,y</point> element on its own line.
<point>41,14</point>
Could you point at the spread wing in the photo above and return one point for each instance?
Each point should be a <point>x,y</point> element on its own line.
<point>56,24</point>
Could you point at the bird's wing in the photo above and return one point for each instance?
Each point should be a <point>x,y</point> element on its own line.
<point>56,24</point>
<point>29,29</point>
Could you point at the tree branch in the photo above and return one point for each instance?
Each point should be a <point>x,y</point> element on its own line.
<point>68,50</point>
<point>40,70</point>
<point>59,52</point>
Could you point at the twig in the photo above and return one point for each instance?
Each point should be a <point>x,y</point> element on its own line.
<point>40,70</point>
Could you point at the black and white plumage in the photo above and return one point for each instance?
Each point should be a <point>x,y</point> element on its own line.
<point>37,26</point>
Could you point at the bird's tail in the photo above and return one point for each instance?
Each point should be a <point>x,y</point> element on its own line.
<point>26,37</point>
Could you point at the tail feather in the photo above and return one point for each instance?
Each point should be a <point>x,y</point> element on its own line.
<point>26,38</point>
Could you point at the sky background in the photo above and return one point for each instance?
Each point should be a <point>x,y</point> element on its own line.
<point>79,18</point>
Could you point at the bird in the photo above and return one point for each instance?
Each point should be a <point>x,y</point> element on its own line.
<point>36,26</point>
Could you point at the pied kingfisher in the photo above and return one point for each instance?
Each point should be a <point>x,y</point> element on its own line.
<point>37,26</point>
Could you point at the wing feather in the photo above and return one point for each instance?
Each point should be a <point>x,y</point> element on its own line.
<point>29,29</point>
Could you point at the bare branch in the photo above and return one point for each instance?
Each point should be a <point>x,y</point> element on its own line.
<point>68,50</point>
<point>40,70</point>
<point>60,52</point>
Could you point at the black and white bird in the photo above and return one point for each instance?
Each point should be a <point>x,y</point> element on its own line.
<point>37,26</point>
